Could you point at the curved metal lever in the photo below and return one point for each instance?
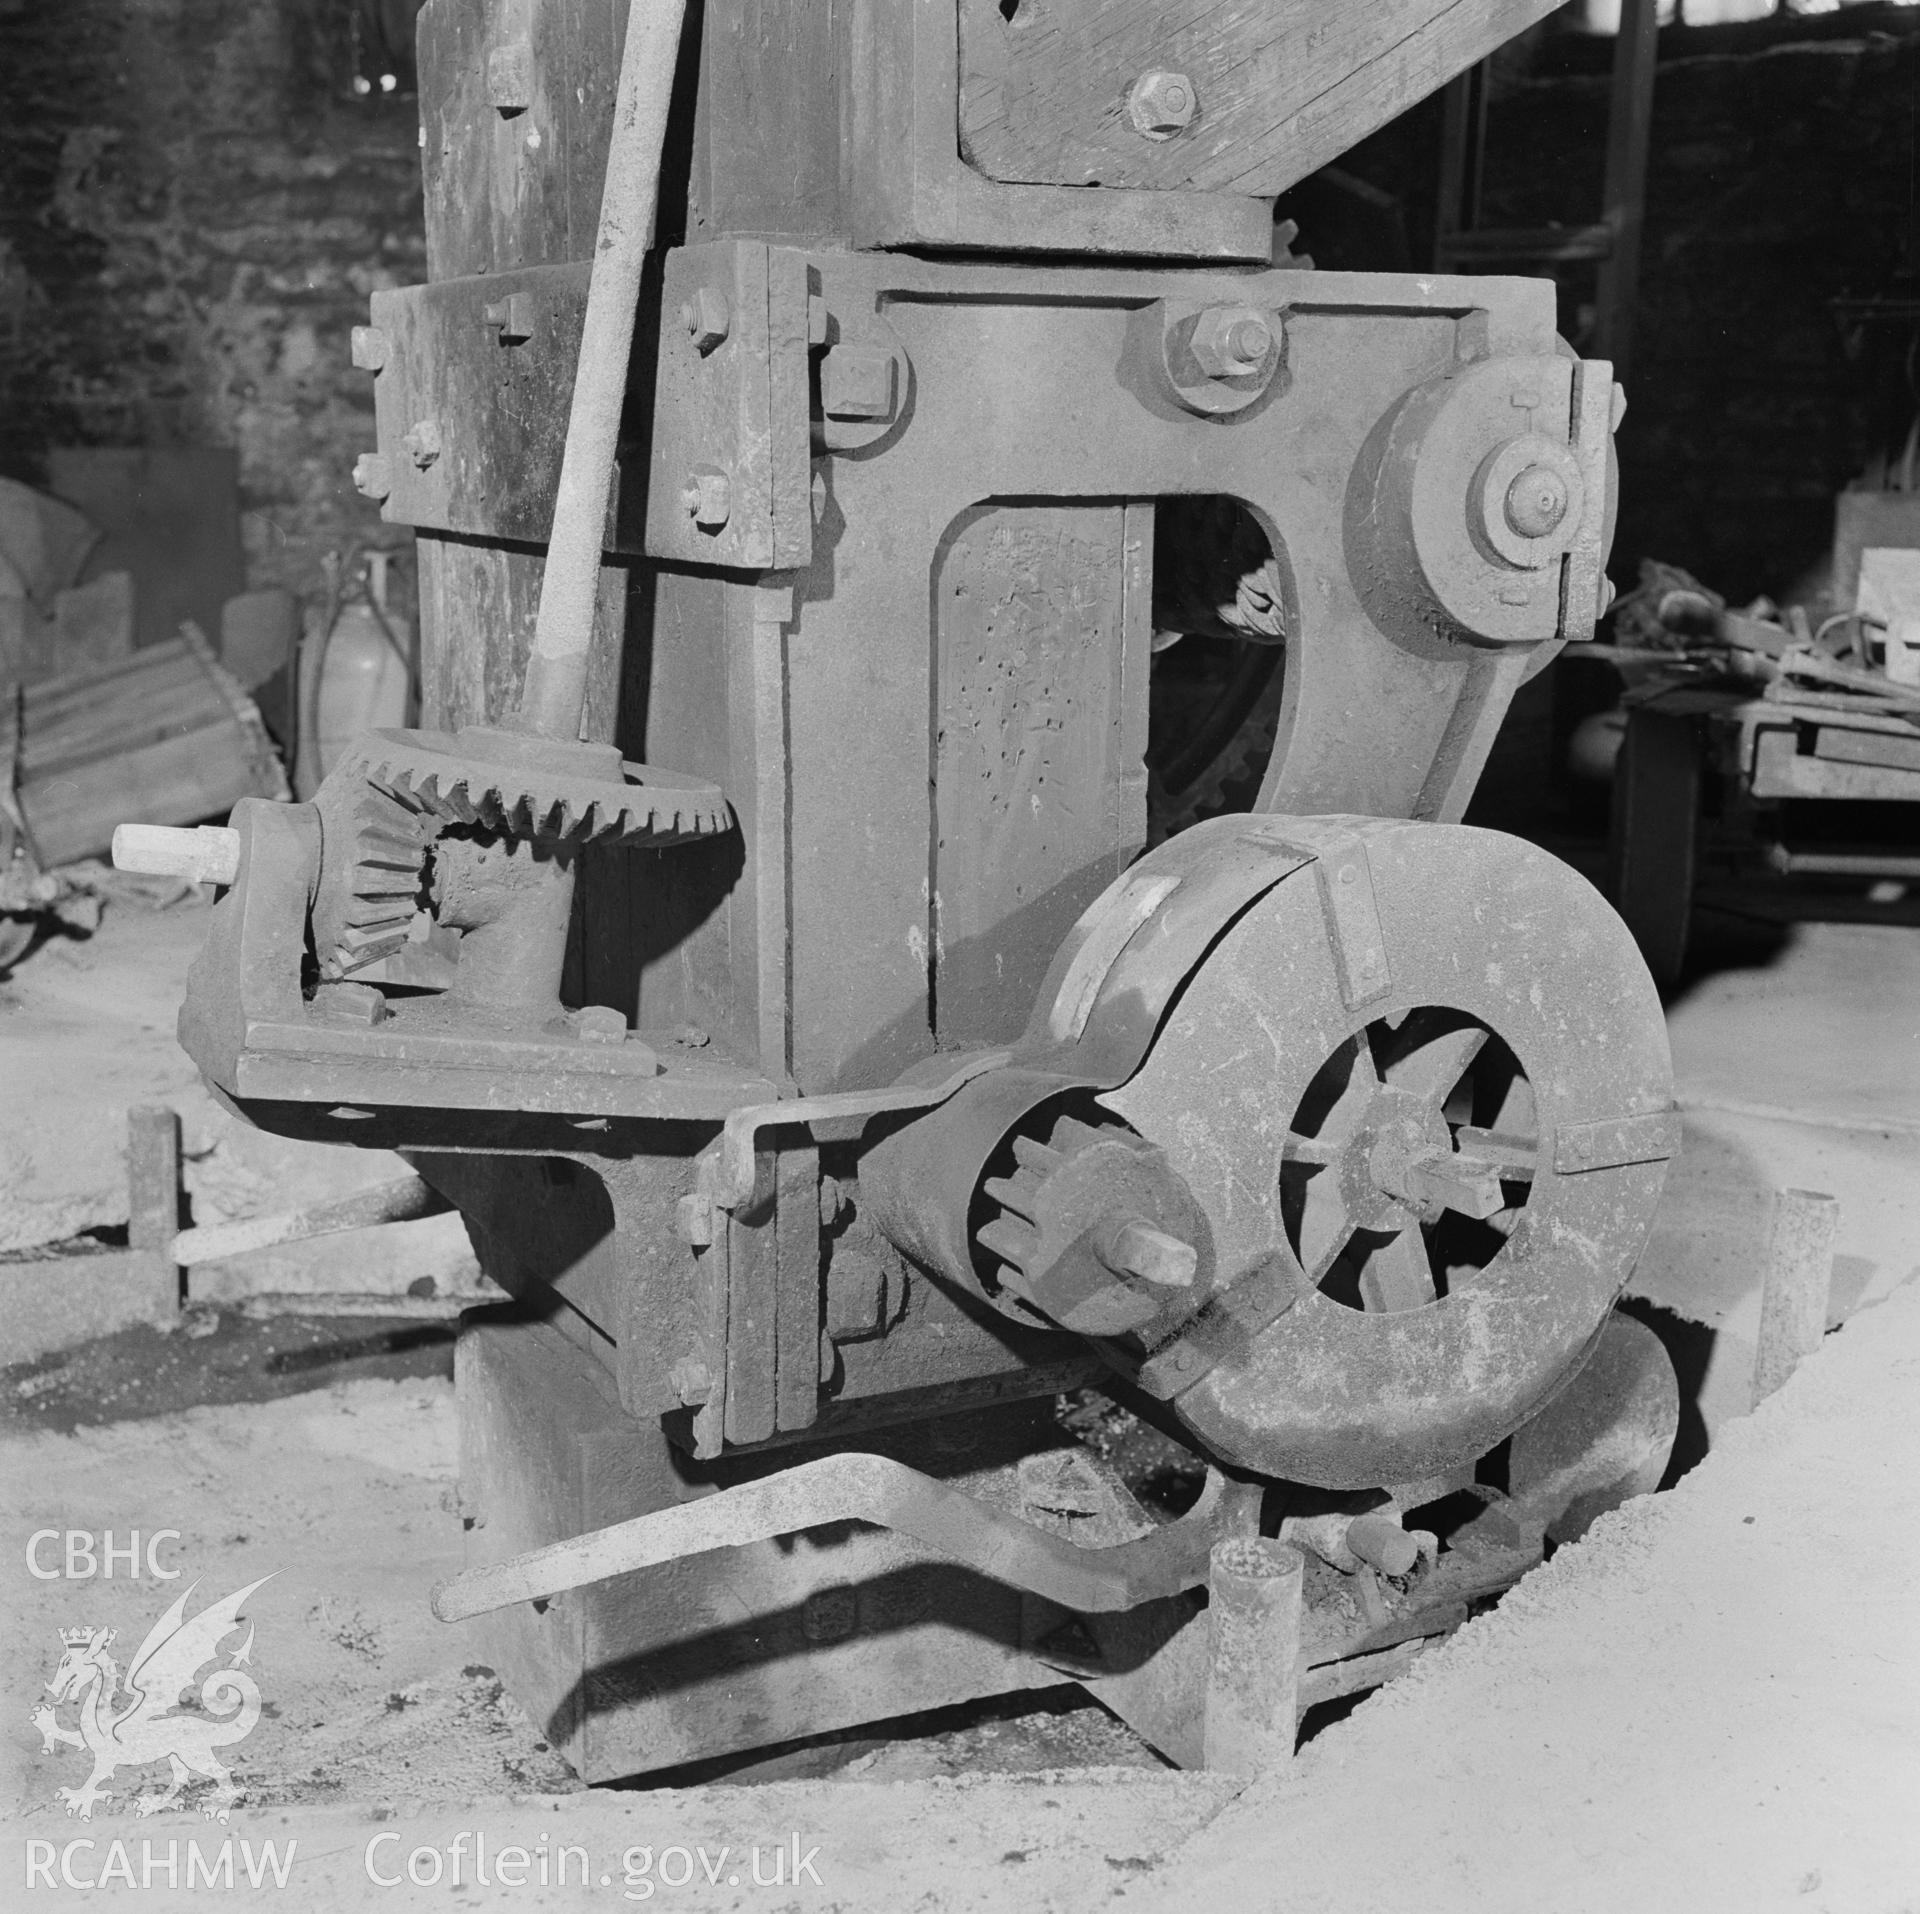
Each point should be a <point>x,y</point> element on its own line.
<point>876,1489</point>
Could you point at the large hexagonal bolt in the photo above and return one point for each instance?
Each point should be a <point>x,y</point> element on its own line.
<point>708,319</point>
<point>708,498</point>
<point>369,347</point>
<point>1161,105</point>
<point>1229,342</point>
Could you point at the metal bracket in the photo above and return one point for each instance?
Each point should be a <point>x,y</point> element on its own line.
<point>727,1177</point>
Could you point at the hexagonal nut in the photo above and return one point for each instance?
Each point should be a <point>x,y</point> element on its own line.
<point>373,475</point>
<point>708,497</point>
<point>1161,105</point>
<point>422,442</point>
<point>1230,342</point>
<point>369,347</point>
<point>708,318</point>
<point>600,1023</point>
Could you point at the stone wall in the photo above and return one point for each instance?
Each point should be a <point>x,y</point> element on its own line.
<point>194,205</point>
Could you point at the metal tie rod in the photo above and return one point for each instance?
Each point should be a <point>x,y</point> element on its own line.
<point>888,1494</point>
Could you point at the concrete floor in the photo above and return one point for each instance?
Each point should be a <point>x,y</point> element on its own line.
<point>1712,1702</point>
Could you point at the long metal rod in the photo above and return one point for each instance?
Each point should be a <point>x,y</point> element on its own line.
<point>862,1488</point>
<point>400,1201</point>
<point>553,695</point>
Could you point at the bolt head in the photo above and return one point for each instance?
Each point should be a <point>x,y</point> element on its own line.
<point>511,318</point>
<point>1231,342</point>
<point>600,1023</point>
<point>708,318</point>
<point>358,1004</point>
<point>691,1380</point>
<point>422,443</point>
<point>372,475</point>
<point>1161,105</point>
<point>1536,502</point>
<point>510,77</point>
<point>857,383</point>
<point>708,498</point>
<point>369,348</point>
<point>693,1220</point>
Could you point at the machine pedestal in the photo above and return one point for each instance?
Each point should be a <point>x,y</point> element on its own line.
<point>740,1648</point>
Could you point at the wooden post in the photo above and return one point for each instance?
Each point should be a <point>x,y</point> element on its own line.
<point>1253,1675</point>
<point>1793,1303</point>
<point>153,1200</point>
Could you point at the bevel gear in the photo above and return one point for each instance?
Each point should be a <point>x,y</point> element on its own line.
<point>393,792</point>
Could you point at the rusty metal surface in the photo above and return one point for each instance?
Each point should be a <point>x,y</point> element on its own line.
<point>1479,934</point>
<point>887,1494</point>
<point>1248,100</point>
<point>1254,1598</point>
<point>731,1119</point>
<point>704,1655</point>
<point>909,185</point>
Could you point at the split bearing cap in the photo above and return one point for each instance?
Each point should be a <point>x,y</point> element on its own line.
<point>1420,1090</point>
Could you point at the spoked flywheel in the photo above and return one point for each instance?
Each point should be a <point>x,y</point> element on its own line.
<point>1422,1092</point>
<point>1411,1157</point>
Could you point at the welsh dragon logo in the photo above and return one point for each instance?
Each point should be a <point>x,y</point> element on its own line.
<point>145,1722</point>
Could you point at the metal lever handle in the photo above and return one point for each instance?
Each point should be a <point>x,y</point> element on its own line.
<point>873,1488</point>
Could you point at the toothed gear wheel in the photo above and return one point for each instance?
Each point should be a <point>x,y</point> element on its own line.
<point>1059,1214</point>
<point>393,792</point>
<point>454,777</point>
<point>371,869</point>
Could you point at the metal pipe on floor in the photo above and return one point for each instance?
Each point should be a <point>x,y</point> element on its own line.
<point>1255,1594</point>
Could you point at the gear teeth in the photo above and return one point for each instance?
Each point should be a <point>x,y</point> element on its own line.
<point>452,793</point>
<point>1036,1156</point>
<point>1070,1134</point>
<point>1018,1193</point>
<point>1010,1241</point>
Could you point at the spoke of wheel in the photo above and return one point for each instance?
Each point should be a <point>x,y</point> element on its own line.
<point>1366,1064</point>
<point>1397,1275</point>
<point>1321,1270</point>
<point>1513,1158</point>
<point>1307,1149</point>
<point>1436,1068</point>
